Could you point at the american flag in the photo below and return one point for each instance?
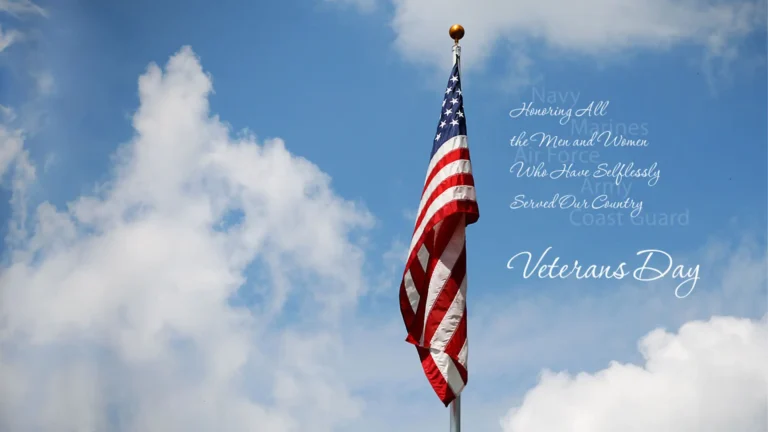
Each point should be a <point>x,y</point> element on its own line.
<point>434,286</point>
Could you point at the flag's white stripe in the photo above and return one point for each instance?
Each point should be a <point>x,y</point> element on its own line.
<point>423,257</point>
<point>448,370</point>
<point>463,354</point>
<point>410,290</point>
<point>461,166</point>
<point>451,320</point>
<point>442,271</point>
<point>459,141</point>
<point>454,193</point>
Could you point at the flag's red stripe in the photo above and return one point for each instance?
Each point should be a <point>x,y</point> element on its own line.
<point>405,306</point>
<point>459,336</point>
<point>458,179</point>
<point>447,231</point>
<point>439,384</point>
<point>450,157</point>
<point>452,181</point>
<point>422,288</point>
<point>419,278</point>
<point>418,274</point>
<point>438,243</point>
<point>446,297</point>
<point>466,207</point>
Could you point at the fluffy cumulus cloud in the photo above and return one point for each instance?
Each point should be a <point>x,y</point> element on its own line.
<point>597,28</point>
<point>593,27</point>
<point>116,313</point>
<point>708,377</point>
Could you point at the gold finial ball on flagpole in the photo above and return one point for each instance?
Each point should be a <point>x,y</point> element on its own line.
<point>456,32</point>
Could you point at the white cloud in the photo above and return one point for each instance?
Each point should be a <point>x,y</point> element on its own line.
<point>15,163</point>
<point>599,29</point>
<point>45,83</point>
<point>7,38</point>
<point>117,309</point>
<point>10,147</point>
<point>709,377</point>
<point>50,161</point>
<point>21,7</point>
<point>31,113</point>
<point>14,158</point>
<point>8,114</point>
<point>410,214</point>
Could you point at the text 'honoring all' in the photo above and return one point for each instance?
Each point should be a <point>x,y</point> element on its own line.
<point>593,160</point>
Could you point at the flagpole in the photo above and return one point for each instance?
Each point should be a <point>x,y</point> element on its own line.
<point>456,414</point>
<point>457,32</point>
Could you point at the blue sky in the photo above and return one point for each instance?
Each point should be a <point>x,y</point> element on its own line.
<point>354,88</point>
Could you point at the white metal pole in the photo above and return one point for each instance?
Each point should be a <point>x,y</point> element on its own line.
<point>456,52</point>
<point>456,414</point>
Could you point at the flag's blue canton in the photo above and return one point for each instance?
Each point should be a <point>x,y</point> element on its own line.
<point>452,121</point>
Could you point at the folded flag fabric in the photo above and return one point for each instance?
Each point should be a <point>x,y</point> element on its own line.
<point>434,286</point>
